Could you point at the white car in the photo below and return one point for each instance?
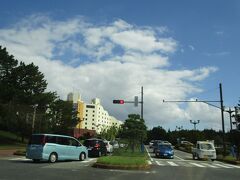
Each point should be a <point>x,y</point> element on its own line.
<point>204,150</point>
<point>115,144</point>
<point>151,143</point>
<point>109,146</point>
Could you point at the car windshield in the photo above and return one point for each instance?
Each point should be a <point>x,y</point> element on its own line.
<point>206,146</point>
<point>163,146</point>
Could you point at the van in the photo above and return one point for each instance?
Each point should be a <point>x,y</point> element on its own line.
<point>204,150</point>
<point>53,147</point>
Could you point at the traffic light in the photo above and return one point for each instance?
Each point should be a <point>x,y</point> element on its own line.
<point>118,101</point>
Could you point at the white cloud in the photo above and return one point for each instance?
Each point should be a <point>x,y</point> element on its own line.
<point>191,47</point>
<point>108,61</point>
<point>219,33</point>
<point>144,41</point>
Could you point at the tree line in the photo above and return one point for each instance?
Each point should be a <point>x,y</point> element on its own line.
<point>23,95</point>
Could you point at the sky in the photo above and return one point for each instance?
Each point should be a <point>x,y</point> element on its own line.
<point>176,50</point>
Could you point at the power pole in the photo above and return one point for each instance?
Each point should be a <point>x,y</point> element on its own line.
<point>222,110</point>
<point>142,102</point>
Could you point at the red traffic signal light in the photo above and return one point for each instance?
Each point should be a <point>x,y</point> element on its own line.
<point>118,101</point>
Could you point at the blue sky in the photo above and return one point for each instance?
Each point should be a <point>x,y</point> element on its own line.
<point>175,49</point>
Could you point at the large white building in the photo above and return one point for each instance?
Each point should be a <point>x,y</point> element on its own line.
<point>93,116</point>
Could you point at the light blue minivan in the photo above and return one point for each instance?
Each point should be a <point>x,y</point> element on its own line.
<point>53,147</point>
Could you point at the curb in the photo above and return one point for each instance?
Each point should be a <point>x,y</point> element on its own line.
<point>122,167</point>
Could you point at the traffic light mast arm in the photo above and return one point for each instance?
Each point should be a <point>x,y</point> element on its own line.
<point>206,102</point>
<point>132,101</point>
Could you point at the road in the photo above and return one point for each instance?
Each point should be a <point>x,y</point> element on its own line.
<point>181,167</point>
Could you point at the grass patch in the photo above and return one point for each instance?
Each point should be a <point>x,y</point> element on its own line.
<point>123,159</point>
<point>230,158</point>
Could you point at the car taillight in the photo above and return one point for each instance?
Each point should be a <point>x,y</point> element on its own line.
<point>97,146</point>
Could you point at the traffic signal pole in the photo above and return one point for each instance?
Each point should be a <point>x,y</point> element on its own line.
<point>223,127</point>
<point>135,102</point>
<point>222,112</point>
<point>141,102</point>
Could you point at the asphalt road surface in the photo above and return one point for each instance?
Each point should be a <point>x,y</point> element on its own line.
<point>181,167</point>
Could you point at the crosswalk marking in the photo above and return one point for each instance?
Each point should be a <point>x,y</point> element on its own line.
<point>192,164</point>
<point>172,163</point>
<point>233,166</point>
<point>224,166</point>
<point>158,163</point>
<point>198,165</point>
<point>209,165</point>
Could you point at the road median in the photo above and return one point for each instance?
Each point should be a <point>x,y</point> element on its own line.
<point>123,159</point>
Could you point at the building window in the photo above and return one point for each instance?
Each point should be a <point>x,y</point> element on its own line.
<point>85,123</point>
<point>91,106</point>
<point>93,115</point>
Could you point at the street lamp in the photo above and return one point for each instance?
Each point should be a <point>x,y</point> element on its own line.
<point>34,116</point>
<point>195,123</point>
<point>179,128</point>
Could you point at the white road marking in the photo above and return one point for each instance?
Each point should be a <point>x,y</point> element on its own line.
<point>21,159</point>
<point>172,163</point>
<point>158,163</point>
<point>209,165</point>
<point>224,166</point>
<point>179,158</point>
<point>198,165</point>
<point>149,154</point>
<point>230,165</point>
<point>89,160</point>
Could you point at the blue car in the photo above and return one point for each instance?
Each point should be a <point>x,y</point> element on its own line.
<point>52,147</point>
<point>164,151</point>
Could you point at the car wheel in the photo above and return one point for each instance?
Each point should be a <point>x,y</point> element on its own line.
<point>53,158</point>
<point>82,156</point>
<point>198,157</point>
<point>193,156</point>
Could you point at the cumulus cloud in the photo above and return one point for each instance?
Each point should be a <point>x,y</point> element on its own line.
<point>108,61</point>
